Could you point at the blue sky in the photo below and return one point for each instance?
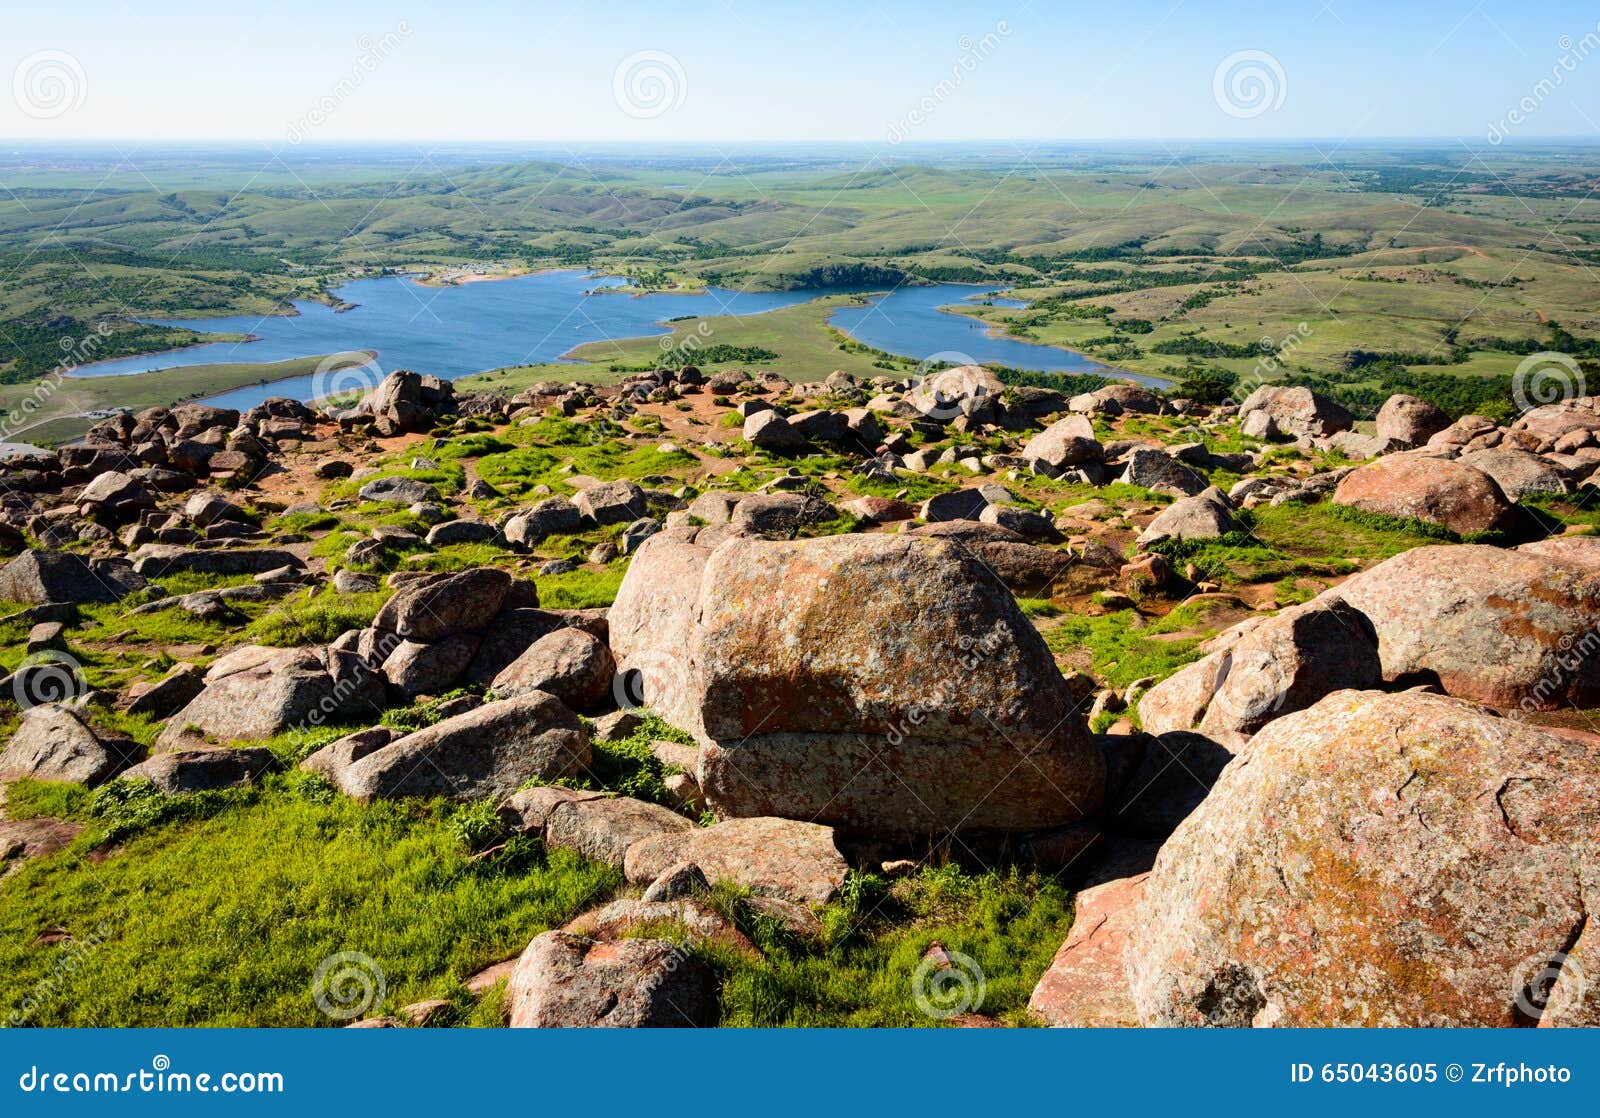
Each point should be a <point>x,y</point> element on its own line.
<point>822,70</point>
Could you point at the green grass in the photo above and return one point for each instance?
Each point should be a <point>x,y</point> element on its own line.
<point>581,589</point>
<point>433,892</point>
<point>457,557</point>
<point>297,873</point>
<point>1322,540</point>
<point>627,766</point>
<point>299,620</point>
<point>304,522</point>
<point>560,444</point>
<point>1123,647</point>
<point>291,875</point>
<point>864,972</point>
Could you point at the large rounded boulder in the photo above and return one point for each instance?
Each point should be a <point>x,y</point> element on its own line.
<point>1515,629</point>
<point>1398,860</point>
<point>1265,668</point>
<point>1410,421</point>
<point>886,685</point>
<point>883,685</point>
<point>1297,412</point>
<point>491,750</point>
<point>1518,473</point>
<point>1438,491</point>
<point>652,619</point>
<point>1065,443</point>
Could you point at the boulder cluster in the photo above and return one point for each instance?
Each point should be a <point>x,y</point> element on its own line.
<point>1355,809</point>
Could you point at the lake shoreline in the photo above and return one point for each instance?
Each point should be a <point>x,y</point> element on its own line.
<point>80,372</point>
<point>547,318</point>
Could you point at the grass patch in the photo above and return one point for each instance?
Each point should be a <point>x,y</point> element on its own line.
<point>1124,648</point>
<point>304,522</point>
<point>320,619</point>
<point>457,557</point>
<point>1038,607</point>
<point>419,716</point>
<point>292,874</point>
<point>864,972</point>
<point>562,448</point>
<point>582,588</point>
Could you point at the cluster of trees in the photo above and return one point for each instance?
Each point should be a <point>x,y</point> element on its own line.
<point>1358,359</point>
<point>37,345</point>
<point>1457,396</point>
<point>1364,389</point>
<point>1197,346</point>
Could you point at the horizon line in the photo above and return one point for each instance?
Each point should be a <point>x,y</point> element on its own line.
<point>1221,140</point>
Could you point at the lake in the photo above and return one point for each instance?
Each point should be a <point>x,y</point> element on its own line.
<point>455,331</point>
<point>908,322</point>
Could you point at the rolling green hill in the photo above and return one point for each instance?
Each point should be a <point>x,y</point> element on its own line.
<point>1164,263</point>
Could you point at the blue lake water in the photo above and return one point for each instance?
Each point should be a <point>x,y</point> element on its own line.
<point>909,322</point>
<point>455,331</point>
